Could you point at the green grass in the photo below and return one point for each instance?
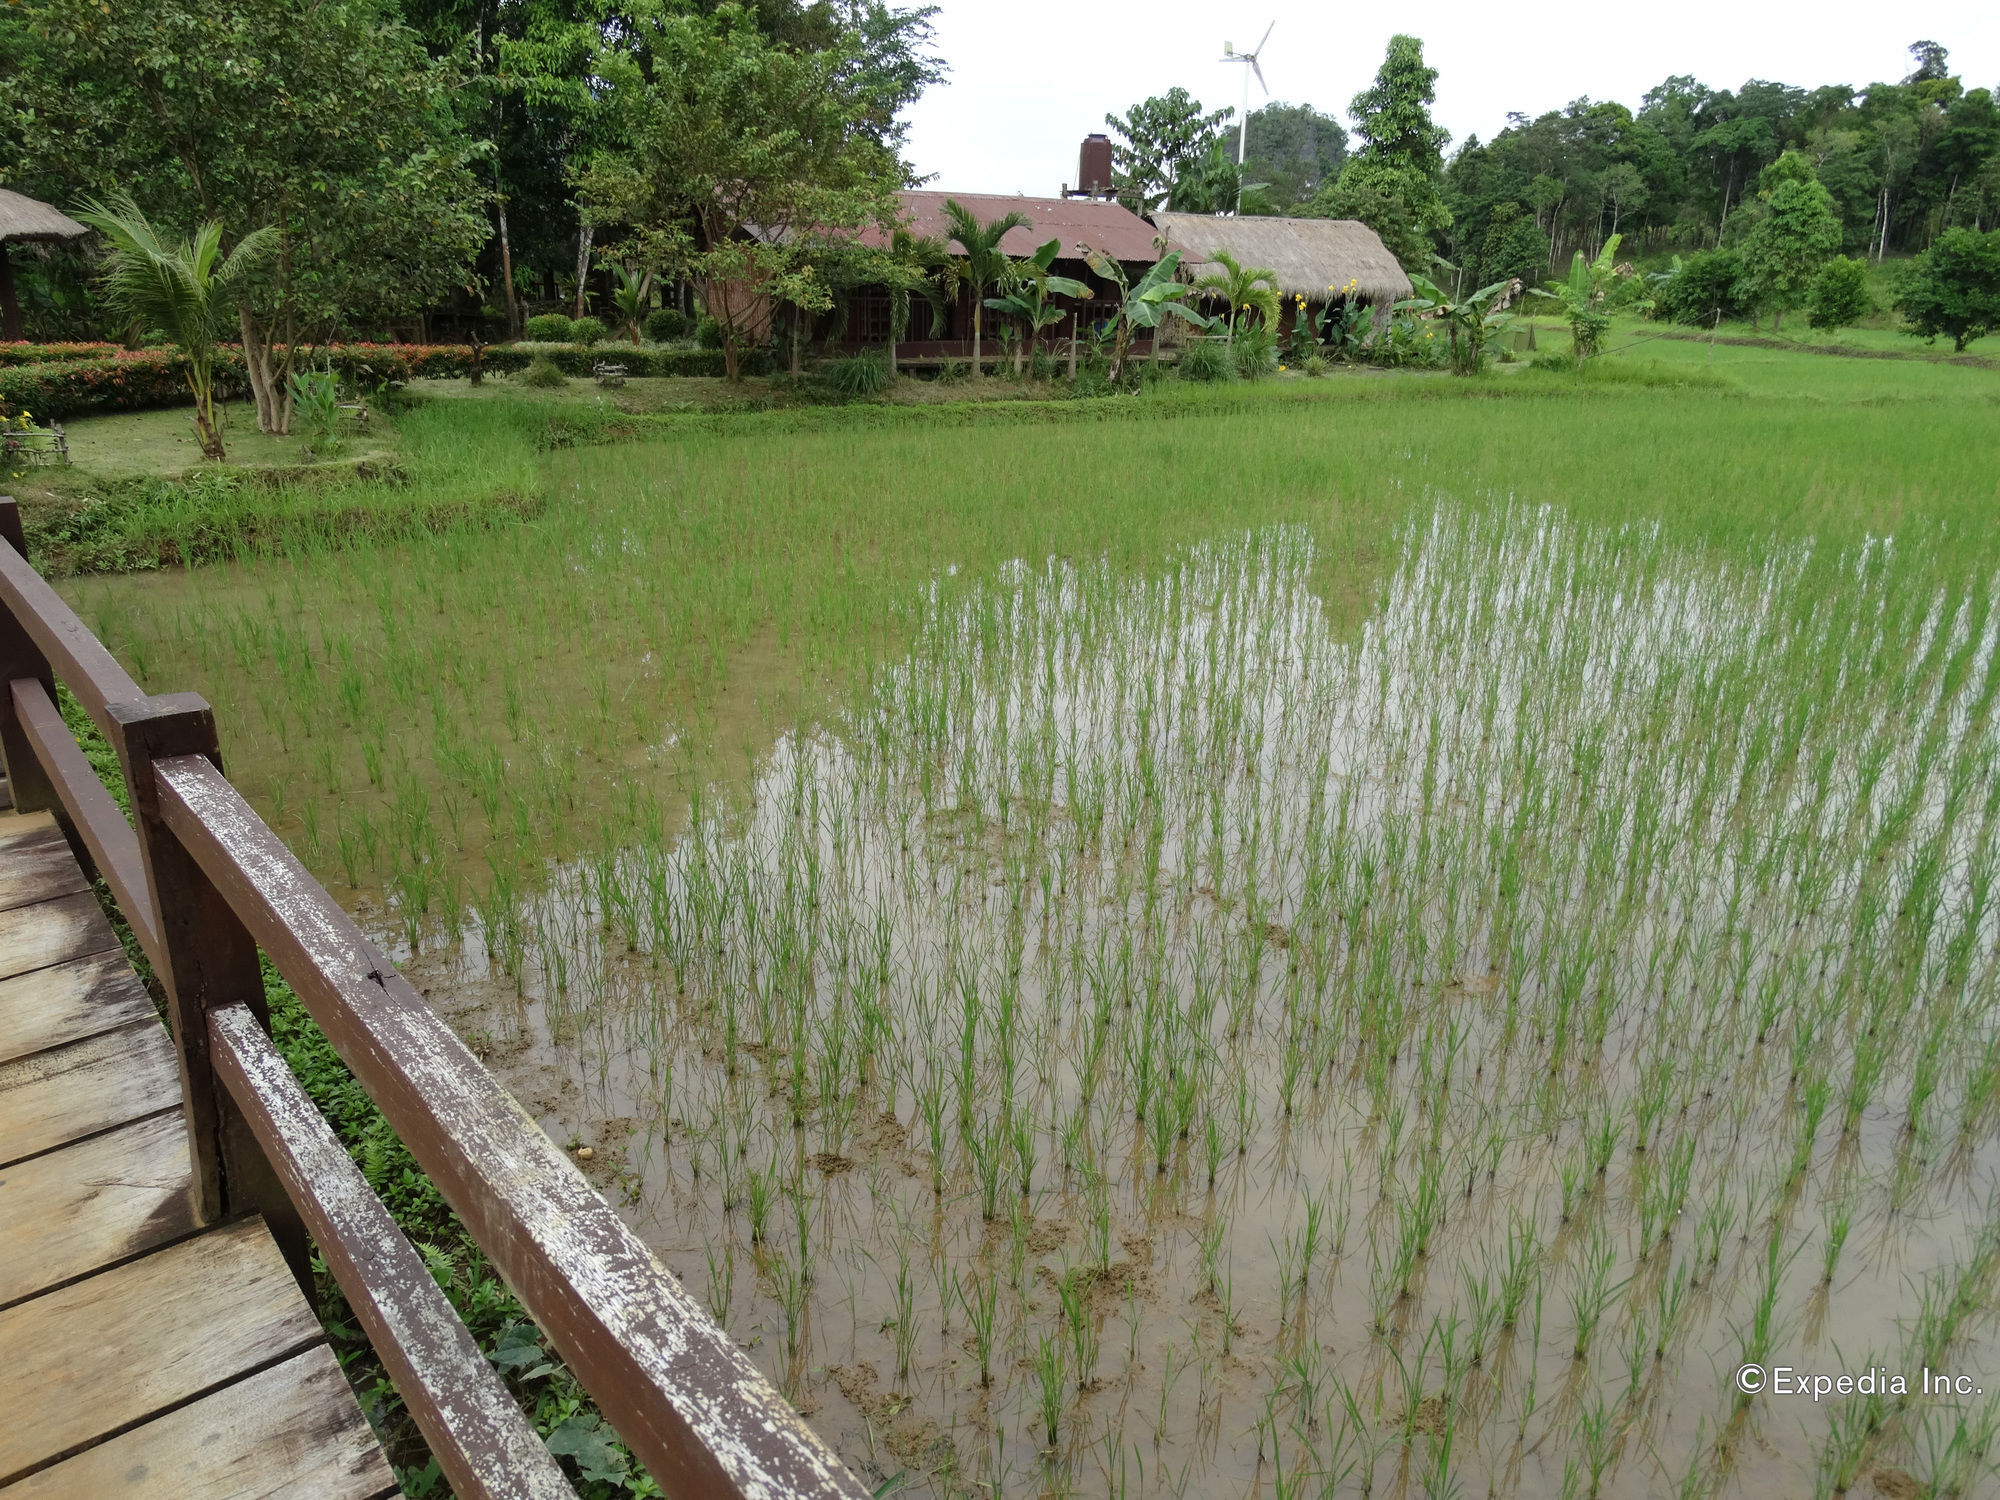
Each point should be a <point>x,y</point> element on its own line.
<point>1412,900</point>
<point>162,445</point>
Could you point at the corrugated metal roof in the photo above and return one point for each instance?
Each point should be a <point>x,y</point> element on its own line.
<point>1105,226</point>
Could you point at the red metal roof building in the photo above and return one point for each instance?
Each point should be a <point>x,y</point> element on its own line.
<point>1101,224</point>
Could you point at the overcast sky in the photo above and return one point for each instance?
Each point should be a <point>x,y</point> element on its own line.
<point>1022,95</point>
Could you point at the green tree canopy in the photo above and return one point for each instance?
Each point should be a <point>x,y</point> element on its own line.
<point>1798,233</point>
<point>1402,153</point>
<point>329,124</point>
<point>1292,149</point>
<point>1953,291</point>
<point>1157,142</point>
<point>749,160</point>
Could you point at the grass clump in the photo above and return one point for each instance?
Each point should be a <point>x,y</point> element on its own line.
<point>542,374</point>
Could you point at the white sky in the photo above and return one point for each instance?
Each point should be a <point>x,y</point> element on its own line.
<point>1022,93</point>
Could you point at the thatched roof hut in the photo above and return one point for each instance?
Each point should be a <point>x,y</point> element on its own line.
<point>22,218</point>
<point>1313,258</point>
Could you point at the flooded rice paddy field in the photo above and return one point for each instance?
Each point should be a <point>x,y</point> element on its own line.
<point>1153,1041</point>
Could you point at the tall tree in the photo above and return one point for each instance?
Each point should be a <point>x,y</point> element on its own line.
<point>1157,142</point>
<point>327,124</point>
<point>1402,151</point>
<point>748,161</point>
<point>1798,233</point>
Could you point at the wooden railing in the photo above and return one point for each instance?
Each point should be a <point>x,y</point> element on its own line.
<point>205,885</point>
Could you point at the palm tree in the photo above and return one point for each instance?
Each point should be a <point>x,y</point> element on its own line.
<point>986,265</point>
<point>630,296</point>
<point>178,287</point>
<point>1248,288</point>
<point>923,266</point>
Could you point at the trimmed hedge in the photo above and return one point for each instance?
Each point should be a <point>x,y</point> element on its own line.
<point>87,383</point>
<point>42,354</point>
<point>637,359</point>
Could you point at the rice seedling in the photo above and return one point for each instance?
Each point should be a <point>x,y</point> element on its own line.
<point>1573,900</point>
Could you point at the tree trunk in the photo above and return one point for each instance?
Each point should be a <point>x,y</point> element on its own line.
<point>10,310</point>
<point>507,272</point>
<point>732,358</point>
<point>1075,332</point>
<point>584,236</point>
<point>1019,349</point>
<point>257,365</point>
<point>977,333</point>
<point>798,332</point>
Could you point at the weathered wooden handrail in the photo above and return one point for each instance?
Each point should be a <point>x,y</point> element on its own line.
<point>694,1408</point>
<point>206,884</point>
<point>473,1426</point>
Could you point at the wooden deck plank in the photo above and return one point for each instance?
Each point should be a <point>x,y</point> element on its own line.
<point>90,1359</point>
<point>67,1002</point>
<point>52,932</point>
<point>52,1098</point>
<point>35,861</point>
<point>292,1430</point>
<point>103,1200</point>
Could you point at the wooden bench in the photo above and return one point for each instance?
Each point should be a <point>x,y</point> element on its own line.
<point>608,374</point>
<point>34,445</point>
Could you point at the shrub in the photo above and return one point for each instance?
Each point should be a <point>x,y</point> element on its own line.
<point>1839,296</point>
<point>664,324</point>
<point>542,374</point>
<point>551,328</point>
<point>1708,281</point>
<point>708,332</point>
<point>1256,352</point>
<point>1207,360</point>
<point>587,331</point>
<point>42,354</point>
<point>1316,365</point>
<point>858,374</point>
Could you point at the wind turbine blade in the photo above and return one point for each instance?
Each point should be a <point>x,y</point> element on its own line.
<point>1260,77</point>
<point>1267,37</point>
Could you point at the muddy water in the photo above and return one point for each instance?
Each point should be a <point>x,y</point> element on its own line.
<point>1426,1061</point>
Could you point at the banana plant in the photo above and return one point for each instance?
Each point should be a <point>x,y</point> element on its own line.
<point>1469,321</point>
<point>1156,297</point>
<point>1582,296</point>
<point>1033,282</point>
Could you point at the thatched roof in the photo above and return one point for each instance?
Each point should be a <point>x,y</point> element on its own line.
<point>23,218</point>
<point>1309,255</point>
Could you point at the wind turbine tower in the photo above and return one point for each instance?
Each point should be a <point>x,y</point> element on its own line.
<point>1230,54</point>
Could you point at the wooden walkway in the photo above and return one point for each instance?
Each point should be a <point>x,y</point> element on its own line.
<point>137,1356</point>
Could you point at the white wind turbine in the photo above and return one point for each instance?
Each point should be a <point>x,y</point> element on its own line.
<point>1230,54</point>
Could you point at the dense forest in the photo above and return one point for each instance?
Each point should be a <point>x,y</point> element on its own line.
<point>437,167</point>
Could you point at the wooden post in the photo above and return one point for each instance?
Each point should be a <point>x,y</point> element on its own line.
<point>210,962</point>
<point>21,657</point>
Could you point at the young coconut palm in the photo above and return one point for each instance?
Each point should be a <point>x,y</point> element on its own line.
<point>630,296</point>
<point>178,287</point>
<point>920,266</point>
<point>986,264</point>
<point>1248,288</point>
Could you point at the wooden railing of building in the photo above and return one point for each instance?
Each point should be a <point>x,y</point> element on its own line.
<point>204,885</point>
